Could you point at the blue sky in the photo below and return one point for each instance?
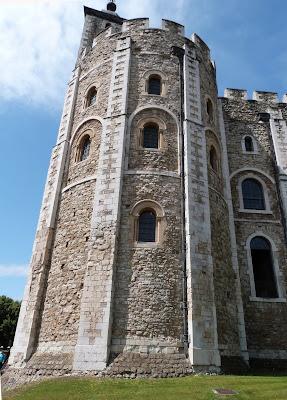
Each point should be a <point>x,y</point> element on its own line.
<point>38,47</point>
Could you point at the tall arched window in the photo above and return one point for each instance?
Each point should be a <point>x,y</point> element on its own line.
<point>93,97</point>
<point>213,158</point>
<point>248,143</point>
<point>252,195</point>
<point>263,271</point>
<point>85,148</point>
<point>150,137</point>
<point>209,108</point>
<point>154,85</point>
<point>147,226</point>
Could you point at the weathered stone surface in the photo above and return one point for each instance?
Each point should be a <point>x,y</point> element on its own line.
<point>94,292</point>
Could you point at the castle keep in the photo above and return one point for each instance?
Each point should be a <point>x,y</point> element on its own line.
<point>161,242</point>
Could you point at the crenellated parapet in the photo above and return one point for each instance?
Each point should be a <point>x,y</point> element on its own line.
<point>241,94</point>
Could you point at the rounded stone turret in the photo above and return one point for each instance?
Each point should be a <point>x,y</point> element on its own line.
<point>111,6</point>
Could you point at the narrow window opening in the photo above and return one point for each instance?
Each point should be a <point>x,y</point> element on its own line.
<point>147,227</point>
<point>248,143</point>
<point>209,108</point>
<point>263,271</point>
<point>86,149</point>
<point>213,158</point>
<point>92,97</point>
<point>154,86</point>
<point>252,195</point>
<point>150,137</point>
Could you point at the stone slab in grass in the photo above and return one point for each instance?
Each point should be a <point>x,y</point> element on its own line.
<point>224,391</point>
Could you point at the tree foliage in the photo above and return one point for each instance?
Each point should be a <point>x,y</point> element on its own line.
<point>9,312</point>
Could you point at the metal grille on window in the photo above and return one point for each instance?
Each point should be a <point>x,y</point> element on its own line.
<point>86,149</point>
<point>248,144</point>
<point>93,97</point>
<point>263,272</point>
<point>150,139</point>
<point>154,86</point>
<point>252,195</point>
<point>147,227</point>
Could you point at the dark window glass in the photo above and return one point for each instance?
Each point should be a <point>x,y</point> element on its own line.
<point>252,195</point>
<point>150,139</point>
<point>86,149</point>
<point>213,158</point>
<point>93,97</point>
<point>147,225</point>
<point>265,285</point>
<point>248,144</point>
<point>154,86</point>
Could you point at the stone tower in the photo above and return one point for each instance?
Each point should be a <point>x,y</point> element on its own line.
<point>140,252</point>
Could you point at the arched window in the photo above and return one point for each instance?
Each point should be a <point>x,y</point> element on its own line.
<point>92,97</point>
<point>86,146</point>
<point>154,85</point>
<point>213,158</point>
<point>147,226</point>
<point>209,108</point>
<point>248,143</point>
<point>150,137</point>
<point>252,195</point>
<point>263,271</point>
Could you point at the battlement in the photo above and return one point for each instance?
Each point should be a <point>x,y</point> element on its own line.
<point>240,94</point>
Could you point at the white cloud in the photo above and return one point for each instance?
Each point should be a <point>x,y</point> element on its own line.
<point>39,43</point>
<point>13,270</point>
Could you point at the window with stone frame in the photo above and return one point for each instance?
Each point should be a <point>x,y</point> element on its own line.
<point>209,109</point>
<point>154,85</point>
<point>91,97</point>
<point>263,270</point>
<point>151,136</point>
<point>86,147</point>
<point>213,159</point>
<point>252,194</point>
<point>147,226</point>
<point>248,142</point>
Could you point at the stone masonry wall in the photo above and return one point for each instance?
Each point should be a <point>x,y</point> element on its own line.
<point>263,317</point>
<point>148,290</point>
<point>60,316</point>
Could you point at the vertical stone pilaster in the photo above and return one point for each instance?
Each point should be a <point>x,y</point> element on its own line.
<point>278,128</point>
<point>202,325</point>
<point>226,175</point>
<point>26,333</point>
<point>92,350</point>
<point>192,101</point>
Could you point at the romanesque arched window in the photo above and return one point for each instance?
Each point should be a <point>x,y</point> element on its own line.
<point>150,136</point>
<point>154,85</point>
<point>154,82</point>
<point>252,194</point>
<point>209,109</point>
<point>263,270</point>
<point>85,148</point>
<point>91,97</point>
<point>147,226</point>
<point>213,158</point>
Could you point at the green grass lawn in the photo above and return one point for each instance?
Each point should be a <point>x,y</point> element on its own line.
<point>190,388</point>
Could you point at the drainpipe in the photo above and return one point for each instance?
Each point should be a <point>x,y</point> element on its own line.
<point>179,53</point>
<point>265,119</point>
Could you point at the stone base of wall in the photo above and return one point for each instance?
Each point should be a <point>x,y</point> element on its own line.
<point>234,365</point>
<point>268,364</point>
<point>40,366</point>
<point>135,365</point>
